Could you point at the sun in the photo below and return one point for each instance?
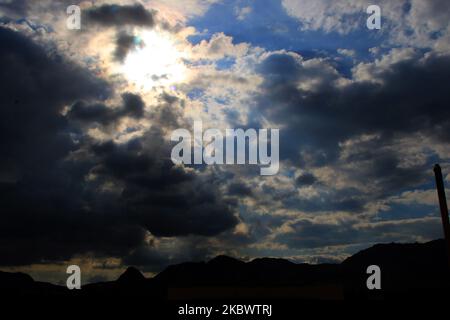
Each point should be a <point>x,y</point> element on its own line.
<point>157,61</point>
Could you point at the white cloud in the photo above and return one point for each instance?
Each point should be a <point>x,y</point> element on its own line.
<point>242,13</point>
<point>182,9</point>
<point>425,197</point>
<point>218,47</point>
<point>347,52</point>
<point>425,24</point>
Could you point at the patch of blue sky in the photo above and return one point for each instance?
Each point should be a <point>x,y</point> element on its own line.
<point>196,63</point>
<point>31,24</point>
<point>196,94</point>
<point>400,211</point>
<point>225,63</point>
<point>268,26</point>
<point>222,101</point>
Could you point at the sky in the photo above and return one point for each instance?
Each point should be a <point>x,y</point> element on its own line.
<point>86,117</point>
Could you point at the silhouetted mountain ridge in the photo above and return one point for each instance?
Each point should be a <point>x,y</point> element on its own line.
<point>407,270</point>
<point>131,275</point>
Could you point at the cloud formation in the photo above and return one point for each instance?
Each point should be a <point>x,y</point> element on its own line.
<point>65,194</point>
<point>85,171</point>
<point>110,15</point>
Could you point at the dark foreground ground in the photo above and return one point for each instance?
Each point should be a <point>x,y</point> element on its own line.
<point>408,272</point>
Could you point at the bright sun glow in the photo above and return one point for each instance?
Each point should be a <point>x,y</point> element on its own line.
<point>157,61</point>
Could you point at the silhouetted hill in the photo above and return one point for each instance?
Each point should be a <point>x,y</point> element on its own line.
<point>131,276</point>
<point>407,270</point>
<point>15,280</point>
<point>22,284</point>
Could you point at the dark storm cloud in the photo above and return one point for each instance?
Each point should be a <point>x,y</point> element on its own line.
<point>306,179</point>
<point>168,112</point>
<point>35,88</point>
<point>384,170</point>
<point>117,15</point>
<point>239,189</point>
<point>121,17</point>
<point>411,97</point>
<point>132,107</point>
<point>124,44</point>
<point>44,212</point>
<point>63,194</point>
<point>164,198</point>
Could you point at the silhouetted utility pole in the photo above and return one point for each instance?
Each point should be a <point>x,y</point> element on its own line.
<point>443,205</point>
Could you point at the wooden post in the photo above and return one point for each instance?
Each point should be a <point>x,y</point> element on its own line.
<point>443,205</point>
